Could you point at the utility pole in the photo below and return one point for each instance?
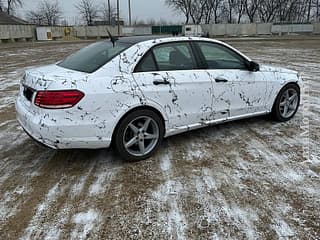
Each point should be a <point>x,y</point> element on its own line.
<point>109,12</point>
<point>118,17</point>
<point>129,12</point>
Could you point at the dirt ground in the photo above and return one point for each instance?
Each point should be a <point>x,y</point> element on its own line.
<point>250,179</point>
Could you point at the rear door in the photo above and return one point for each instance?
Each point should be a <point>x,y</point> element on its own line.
<point>169,76</point>
<point>236,90</point>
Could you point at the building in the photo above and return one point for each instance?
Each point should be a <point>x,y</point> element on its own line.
<point>6,19</point>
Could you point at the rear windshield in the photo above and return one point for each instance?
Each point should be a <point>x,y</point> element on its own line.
<point>94,56</point>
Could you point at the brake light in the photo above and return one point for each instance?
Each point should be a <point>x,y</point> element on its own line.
<point>58,99</point>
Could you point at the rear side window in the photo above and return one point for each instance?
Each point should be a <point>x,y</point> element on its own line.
<point>168,57</point>
<point>147,64</point>
<point>174,56</point>
<point>94,56</point>
<point>220,57</point>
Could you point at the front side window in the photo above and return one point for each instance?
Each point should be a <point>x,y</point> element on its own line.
<point>220,57</point>
<point>94,56</point>
<point>174,56</point>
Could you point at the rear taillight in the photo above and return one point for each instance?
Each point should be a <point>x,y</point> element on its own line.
<point>58,99</point>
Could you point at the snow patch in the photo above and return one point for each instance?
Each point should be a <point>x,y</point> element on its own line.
<point>196,151</point>
<point>101,184</point>
<point>77,188</point>
<point>167,197</point>
<point>36,226</point>
<point>165,162</point>
<point>85,223</point>
<point>282,229</point>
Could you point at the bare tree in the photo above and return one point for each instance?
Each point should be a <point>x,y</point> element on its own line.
<point>88,10</point>
<point>51,12</point>
<point>216,9</point>
<point>11,4</point>
<point>47,13</point>
<point>268,10</point>
<point>252,8</point>
<point>198,10</point>
<point>228,9</point>
<point>240,9</point>
<point>183,6</point>
<point>317,10</point>
<point>309,3</point>
<point>231,11</point>
<point>35,17</point>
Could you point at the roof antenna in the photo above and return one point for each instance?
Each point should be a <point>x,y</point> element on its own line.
<point>112,38</point>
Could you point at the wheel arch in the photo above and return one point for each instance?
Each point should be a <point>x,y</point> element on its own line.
<point>296,83</point>
<point>161,114</point>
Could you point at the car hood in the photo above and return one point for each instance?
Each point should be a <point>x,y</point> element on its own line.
<point>52,76</point>
<point>268,68</point>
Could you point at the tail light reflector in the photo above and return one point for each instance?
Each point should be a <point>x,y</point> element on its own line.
<point>58,99</point>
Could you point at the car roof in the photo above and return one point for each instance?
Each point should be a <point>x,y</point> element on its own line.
<point>166,39</point>
<point>138,39</point>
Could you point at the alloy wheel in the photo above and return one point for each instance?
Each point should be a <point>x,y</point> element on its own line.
<point>288,103</point>
<point>141,136</point>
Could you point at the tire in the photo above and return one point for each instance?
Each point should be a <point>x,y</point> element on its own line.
<point>139,135</point>
<point>287,103</point>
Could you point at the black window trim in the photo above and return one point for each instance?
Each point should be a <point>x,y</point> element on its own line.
<point>193,53</point>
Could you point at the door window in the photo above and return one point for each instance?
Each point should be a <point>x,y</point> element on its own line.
<point>147,64</point>
<point>174,56</point>
<point>220,57</point>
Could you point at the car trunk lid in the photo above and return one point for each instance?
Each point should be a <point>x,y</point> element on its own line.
<point>51,77</point>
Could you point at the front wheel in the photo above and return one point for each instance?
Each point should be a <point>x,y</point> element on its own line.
<point>139,135</point>
<point>287,103</point>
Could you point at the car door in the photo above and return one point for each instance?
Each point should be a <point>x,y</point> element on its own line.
<point>236,90</point>
<point>169,76</point>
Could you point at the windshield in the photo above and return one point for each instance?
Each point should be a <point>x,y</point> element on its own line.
<point>92,57</point>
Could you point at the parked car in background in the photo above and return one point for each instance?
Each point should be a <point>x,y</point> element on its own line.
<point>135,91</point>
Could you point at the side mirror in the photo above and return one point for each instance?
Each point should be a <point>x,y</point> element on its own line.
<point>253,66</point>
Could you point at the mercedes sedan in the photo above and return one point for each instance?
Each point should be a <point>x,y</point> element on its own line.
<point>133,92</point>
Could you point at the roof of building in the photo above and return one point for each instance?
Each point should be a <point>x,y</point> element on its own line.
<point>6,19</point>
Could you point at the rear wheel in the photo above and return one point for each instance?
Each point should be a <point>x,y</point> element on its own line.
<point>287,103</point>
<point>139,135</point>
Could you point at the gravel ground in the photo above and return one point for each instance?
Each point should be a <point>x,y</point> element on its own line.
<point>250,179</point>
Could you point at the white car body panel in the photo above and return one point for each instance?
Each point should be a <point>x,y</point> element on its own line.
<point>192,100</point>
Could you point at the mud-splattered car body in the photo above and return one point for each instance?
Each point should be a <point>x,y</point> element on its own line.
<point>185,99</point>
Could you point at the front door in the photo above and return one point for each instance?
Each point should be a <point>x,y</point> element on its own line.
<point>237,91</point>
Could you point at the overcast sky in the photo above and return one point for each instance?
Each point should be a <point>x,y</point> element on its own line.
<point>141,9</point>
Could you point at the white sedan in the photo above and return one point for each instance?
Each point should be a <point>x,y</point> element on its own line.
<point>136,91</point>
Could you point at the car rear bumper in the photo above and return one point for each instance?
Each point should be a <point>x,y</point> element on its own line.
<point>59,134</point>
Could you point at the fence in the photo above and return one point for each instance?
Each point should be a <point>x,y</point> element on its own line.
<point>136,31</point>
<point>256,29</point>
<point>11,33</point>
<point>21,32</point>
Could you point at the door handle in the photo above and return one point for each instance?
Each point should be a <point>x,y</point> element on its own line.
<point>218,79</point>
<point>161,82</point>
